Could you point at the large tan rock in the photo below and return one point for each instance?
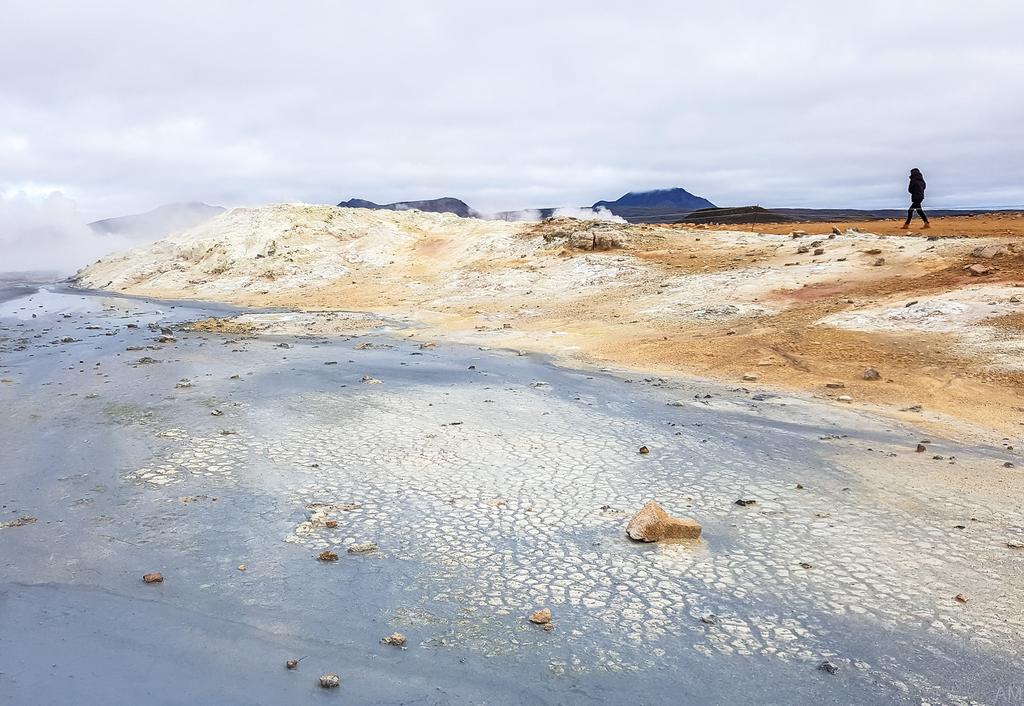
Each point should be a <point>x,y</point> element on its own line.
<point>653,524</point>
<point>990,251</point>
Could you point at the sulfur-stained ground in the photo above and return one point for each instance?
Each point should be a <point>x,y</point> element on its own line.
<point>797,312</point>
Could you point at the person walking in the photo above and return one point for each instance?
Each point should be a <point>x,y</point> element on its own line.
<point>916,189</point>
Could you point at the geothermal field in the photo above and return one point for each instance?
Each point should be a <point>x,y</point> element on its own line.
<point>403,449</point>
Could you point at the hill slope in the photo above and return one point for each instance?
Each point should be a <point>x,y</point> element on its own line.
<point>800,313</point>
<point>158,223</point>
<point>445,204</point>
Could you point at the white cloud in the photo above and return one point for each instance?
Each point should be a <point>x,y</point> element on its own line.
<point>130,105</point>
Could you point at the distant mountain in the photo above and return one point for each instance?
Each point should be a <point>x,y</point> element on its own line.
<point>658,206</point>
<point>665,201</point>
<point>158,223</point>
<point>441,205</point>
<point>877,214</point>
<point>752,215</point>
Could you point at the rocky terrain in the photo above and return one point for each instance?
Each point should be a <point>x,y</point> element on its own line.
<point>938,315</point>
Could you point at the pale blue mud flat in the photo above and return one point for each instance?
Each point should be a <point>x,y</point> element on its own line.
<point>492,485</point>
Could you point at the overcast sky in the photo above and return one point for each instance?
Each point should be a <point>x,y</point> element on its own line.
<point>122,106</point>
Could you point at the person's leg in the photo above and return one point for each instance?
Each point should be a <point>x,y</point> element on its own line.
<point>920,212</point>
<point>910,215</point>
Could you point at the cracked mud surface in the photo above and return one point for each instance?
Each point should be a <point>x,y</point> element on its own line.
<point>490,491</point>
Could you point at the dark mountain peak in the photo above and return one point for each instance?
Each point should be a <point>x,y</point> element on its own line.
<point>445,204</point>
<point>359,203</point>
<point>677,198</point>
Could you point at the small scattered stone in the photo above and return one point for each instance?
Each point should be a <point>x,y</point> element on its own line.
<point>241,567</point>
<point>395,639</point>
<point>20,522</point>
<point>644,450</point>
<point>879,262</point>
<point>327,555</point>
<point>835,385</point>
<point>806,565</point>
<point>961,598</point>
<point>1008,464</point>
<point>709,619</point>
<point>181,384</point>
<point>829,667</point>
<point>750,377</point>
<point>921,448</point>
<point>292,664</point>
<point>1015,545</point>
<point>541,617</point>
<point>330,681</point>
<point>819,251</point>
<point>362,548</point>
<point>744,503</point>
<point>216,413</point>
<point>331,524</point>
<point>153,577</point>
<point>871,374</point>
<point>844,398</point>
<point>977,270</point>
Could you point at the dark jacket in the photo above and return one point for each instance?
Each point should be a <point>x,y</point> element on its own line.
<point>917,186</point>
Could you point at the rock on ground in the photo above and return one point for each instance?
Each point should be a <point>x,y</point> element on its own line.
<point>541,617</point>
<point>330,681</point>
<point>396,639</point>
<point>653,524</point>
<point>362,548</point>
